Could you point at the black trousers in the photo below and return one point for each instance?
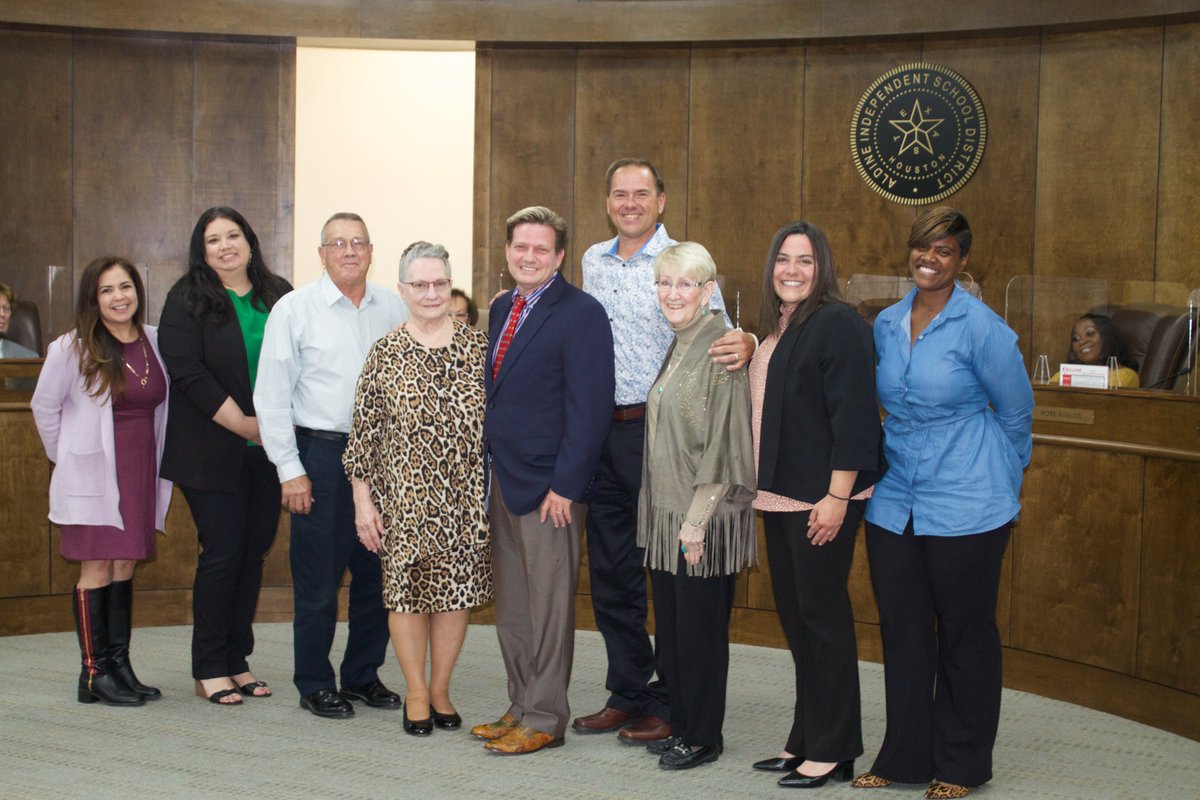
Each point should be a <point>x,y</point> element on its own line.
<point>814,609</point>
<point>941,652</point>
<point>235,532</point>
<point>691,619</point>
<point>324,543</point>
<point>618,577</point>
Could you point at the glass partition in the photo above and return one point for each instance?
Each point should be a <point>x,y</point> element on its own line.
<point>870,294</point>
<point>1153,324</point>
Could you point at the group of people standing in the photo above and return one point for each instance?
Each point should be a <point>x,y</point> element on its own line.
<point>444,468</point>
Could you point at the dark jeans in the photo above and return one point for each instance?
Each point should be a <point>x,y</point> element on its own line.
<point>324,543</point>
<point>941,652</point>
<point>618,577</point>
<point>235,532</point>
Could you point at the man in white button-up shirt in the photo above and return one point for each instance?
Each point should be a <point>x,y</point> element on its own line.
<point>315,343</point>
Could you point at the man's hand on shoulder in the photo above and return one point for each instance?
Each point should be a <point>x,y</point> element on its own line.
<point>734,349</point>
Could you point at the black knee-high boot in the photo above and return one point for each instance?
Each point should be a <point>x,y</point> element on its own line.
<point>120,627</point>
<point>96,679</point>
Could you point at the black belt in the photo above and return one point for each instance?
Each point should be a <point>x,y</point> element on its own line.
<point>329,436</point>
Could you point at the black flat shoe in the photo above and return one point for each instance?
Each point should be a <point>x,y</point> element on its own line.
<point>374,694</point>
<point>842,771</point>
<point>778,764</point>
<point>448,722</point>
<point>682,756</point>
<point>660,746</point>
<point>328,704</point>
<point>417,727</point>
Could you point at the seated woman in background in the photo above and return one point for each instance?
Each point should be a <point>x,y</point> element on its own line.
<point>9,348</point>
<point>1095,339</point>
<point>101,409</point>
<point>462,308</point>
<point>694,516</point>
<point>415,462</point>
<point>211,332</point>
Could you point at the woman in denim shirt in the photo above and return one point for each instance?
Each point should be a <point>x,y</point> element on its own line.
<point>957,437</point>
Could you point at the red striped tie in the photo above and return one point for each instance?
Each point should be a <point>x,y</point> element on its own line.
<point>509,331</point>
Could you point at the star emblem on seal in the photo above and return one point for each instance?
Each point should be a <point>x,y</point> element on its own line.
<point>916,128</point>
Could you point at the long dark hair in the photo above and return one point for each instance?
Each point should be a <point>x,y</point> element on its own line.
<point>204,294</point>
<point>824,284</point>
<point>99,352</point>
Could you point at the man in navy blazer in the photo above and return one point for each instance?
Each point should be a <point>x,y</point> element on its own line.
<point>549,379</point>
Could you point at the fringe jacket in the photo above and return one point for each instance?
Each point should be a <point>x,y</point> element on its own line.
<point>700,437</point>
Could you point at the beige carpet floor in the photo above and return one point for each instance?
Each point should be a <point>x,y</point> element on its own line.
<point>182,747</point>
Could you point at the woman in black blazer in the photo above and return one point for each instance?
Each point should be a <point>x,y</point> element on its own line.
<point>816,426</point>
<point>210,334</point>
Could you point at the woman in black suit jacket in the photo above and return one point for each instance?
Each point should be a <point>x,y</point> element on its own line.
<point>816,425</point>
<point>210,334</point>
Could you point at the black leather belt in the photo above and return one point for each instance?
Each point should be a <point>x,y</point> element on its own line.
<point>329,436</point>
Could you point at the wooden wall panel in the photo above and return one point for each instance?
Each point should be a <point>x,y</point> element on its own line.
<point>132,154</point>
<point>866,232</point>
<point>1169,609</point>
<point>244,127</point>
<point>744,164</point>
<point>35,169</point>
<point>532,145</point>
<point>1097,164</point>
<point>1179,164</point>
<point>998,200</point>
<point>25,568</point>
<point>1075,562</point>
<point>631,103</point>
<point>483,282</point>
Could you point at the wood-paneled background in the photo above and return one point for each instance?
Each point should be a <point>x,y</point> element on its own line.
<point>114,143</point>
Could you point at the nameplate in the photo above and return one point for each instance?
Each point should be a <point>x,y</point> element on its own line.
<point>1074,416</point>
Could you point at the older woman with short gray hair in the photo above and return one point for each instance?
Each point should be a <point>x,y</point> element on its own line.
<point>694,515</point>
<point>415,462</point>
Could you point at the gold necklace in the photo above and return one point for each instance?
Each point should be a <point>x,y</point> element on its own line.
<point>676,360</point>
<point>143,378</point>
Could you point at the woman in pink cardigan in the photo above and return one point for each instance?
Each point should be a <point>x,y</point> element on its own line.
<point>100,407</point>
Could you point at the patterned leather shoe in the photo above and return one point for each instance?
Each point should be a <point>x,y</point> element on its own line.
<point>682,756</point>
<point>494,730</point>
<point>940,790</point>
<point>869,780</point>
<point>522,740</point>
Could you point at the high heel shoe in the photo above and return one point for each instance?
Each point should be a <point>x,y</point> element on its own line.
<point>417,727</point>
<point>841,771</point>
<point>778,764</point>
<point>218,697</point>
<point>448,722</point>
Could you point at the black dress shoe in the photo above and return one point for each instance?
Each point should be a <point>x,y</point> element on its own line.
<point>417,727</point>
<point>778,764</point>
<point>327,703</point>
<point>374,694</point>
<point>449,722</point>
<point>682,756</point>
<point>661,746</point>
<point>842,771</point>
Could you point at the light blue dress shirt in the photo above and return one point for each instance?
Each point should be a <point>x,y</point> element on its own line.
<point>641,335</point>
<point>313,349</point>
<point>960,413</point>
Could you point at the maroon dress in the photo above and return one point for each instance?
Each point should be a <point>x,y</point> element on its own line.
<point>137,470</point>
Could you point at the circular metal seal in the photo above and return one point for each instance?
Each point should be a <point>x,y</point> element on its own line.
<point>918,133</point>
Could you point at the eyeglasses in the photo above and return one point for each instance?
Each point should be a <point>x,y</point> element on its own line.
<point>683,285</point>
<point>421,287</point>
<point>355,244</point>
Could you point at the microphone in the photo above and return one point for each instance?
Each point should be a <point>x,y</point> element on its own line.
<point>1180,373</point>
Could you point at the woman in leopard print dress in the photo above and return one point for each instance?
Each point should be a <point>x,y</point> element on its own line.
<point>415,460</point>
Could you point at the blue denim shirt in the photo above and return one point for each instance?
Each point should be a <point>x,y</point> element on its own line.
<point>960,414</point>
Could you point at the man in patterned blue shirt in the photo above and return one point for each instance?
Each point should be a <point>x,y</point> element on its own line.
<point>620,274</point>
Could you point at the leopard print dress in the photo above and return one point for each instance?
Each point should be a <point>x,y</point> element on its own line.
<point>417,439</point>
